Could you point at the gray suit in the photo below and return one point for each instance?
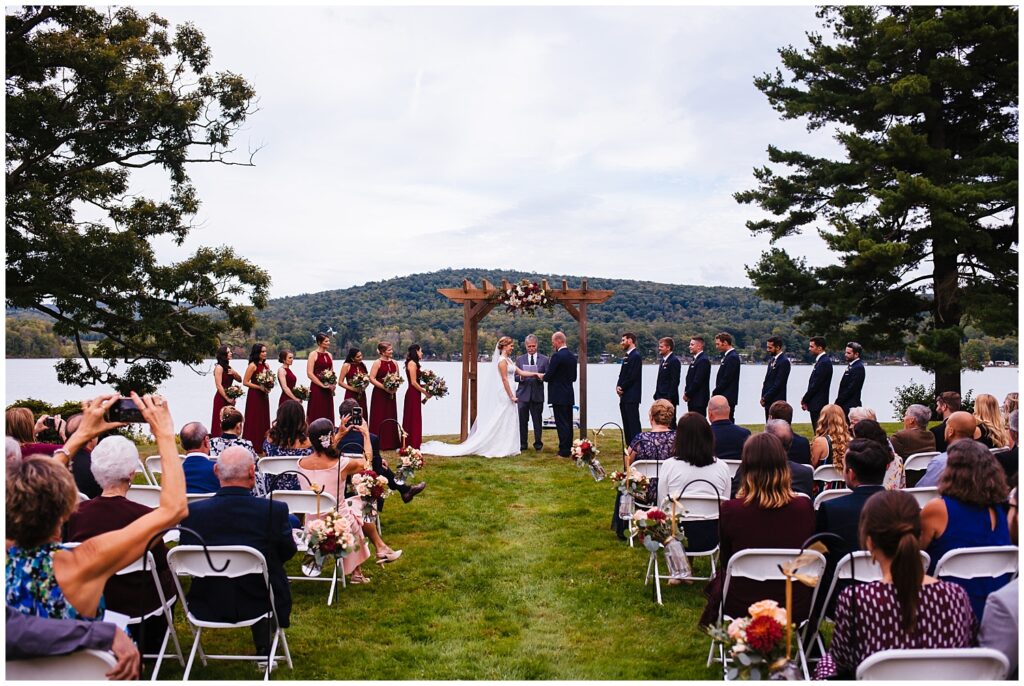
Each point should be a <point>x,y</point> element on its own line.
<point>999,623</point>
<point>530,399</point>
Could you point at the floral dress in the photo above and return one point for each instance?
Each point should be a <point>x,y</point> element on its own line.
<point>32,587</point>
<point>284,482</point>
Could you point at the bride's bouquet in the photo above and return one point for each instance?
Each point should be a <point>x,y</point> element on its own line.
<point>327,377</point>
<point>329,537</point>
<point>370,487</point>
<point>409,460</point>
<point>391,382</point>
<point>359,381</point>
<point>585,454</point>
<point>434,385</point>
<point>264,379</point>
<point>525,296</point>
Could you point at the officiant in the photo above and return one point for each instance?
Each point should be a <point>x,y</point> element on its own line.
<point>530,393</point>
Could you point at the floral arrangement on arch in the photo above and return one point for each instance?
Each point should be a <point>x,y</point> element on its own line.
<point>756,643</point>
<point>526,297</point>
<point>265,379</point>
<point>409,460</point>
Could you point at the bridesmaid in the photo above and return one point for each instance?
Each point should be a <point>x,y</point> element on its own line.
<point>223,377</point>
<point>257,404</point>
<point>353,365</point>
<point>321,396</point>
<point>412,417</point>
<point>286,378</point>
<point>383,405</point>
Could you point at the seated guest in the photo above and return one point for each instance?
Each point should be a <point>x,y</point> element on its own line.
<point>1008,460</point>
<point>856,414</point>
<point>729,437</point>
<point>968,514</point>
<point>945,405</point>
<point>199,475</point>
<point>81,462</point>
<point>235,517</point>
<point>865,469</point>
<point>114,461</point>
<point>44,578</point>
<point>906,609</point>
<point>30,636</point>
<point>328,468</point>
<point>991,428</point>
<point>960,426</point>
<point>351,441</point>
<point>287,437</point>
<point>231,424</point>
<point>1010,403</point>
<point>830,438</point>
<point>895,477</point>
<point>656,444</point>
<point>915,436</point>
<point>1000,627</point>
<point>765,514</point>
<point>22,426</point>
<point>800,450</point>
<point>802,475</point>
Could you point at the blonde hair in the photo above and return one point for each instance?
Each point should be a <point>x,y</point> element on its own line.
<point>41,495</point>
<point>662,412</point>
<point>987,412</point>
<point>503,341</point>
<point>20,424</point>
<point>832,423</point>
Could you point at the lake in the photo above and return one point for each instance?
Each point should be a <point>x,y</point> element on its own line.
<point>190,395</point>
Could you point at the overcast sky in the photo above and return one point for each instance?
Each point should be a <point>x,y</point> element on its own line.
<point>601,142</point>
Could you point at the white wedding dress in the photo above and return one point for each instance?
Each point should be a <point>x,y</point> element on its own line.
<point>496,430</point>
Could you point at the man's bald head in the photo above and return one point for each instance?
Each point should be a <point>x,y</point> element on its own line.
<point>235,467</point>
<point>960,425</point>
<point>718,408</point>
<point>558,339</point>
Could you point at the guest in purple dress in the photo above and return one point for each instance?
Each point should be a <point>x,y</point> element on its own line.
<point>257,401</point>
<point>321,395</point>
<point>655,444</point>
<point>412,415</point>
<point>286,378</point>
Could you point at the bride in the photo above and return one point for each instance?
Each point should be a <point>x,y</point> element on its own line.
<point>496,430</point>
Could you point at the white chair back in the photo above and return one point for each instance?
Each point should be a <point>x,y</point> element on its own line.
<point>144,495</point>
<point>826,496</point>
<point>828,472</point>
<point>305,502</point>
<point>649,468</point>
<point>694,507</point>
<point>734,467</point>
<point>153,465</point>
<point>82,497</point>
<point>278,464</point>
<point>84,665</point>
<point>924,494</point>
<point>762,564</point>
<point>190,560</point>
<point>985,561</point>
<point>934,664</point>
<point>919,461</point>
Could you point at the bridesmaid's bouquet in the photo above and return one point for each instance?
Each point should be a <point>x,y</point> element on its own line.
<point>327,377</point>
<point>329,537</point>
<point>370,487</point>
<point>409,460</point>
<point>264,379</point>
<point>434,385</point>
<point>359,381</point>
<point>301,392</point>
<point>391,382</point>
<point>234,392</point>
<point>585,454</point>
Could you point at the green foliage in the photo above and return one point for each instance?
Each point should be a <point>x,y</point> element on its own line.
<point>923,101</point>
<point>919,394</point>
<point>92,95</point>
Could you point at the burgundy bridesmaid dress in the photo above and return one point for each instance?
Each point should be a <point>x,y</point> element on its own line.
<point>257,412</point>
<point>219,403</point>
<point>360,398</point>
<point>290,378</point>
<point>412,414</point>
<point>384,406</point>
<point>321,400</point>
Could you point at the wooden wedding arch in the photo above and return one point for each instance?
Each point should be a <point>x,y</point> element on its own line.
<point>477,303</point>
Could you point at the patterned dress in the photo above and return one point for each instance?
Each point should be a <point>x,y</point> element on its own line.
<point>650,445</point>
<point>283,482</point>
<point>944,620</point>
<point>32,587</point>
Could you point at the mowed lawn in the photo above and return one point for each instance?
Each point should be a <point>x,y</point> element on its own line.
<point>510,571</point>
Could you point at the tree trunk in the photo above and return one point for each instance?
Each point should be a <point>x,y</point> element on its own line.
<point>947,312</point>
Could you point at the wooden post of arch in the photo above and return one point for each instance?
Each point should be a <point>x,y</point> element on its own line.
<point>477,303</point>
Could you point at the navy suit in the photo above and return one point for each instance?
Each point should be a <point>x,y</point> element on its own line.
<point>667,385</point>
<point>629,402</point>
<point>698,384</point>
<point>235,517</point>
<point>729,439</point>
<point>559,377</point>
<point>816,396</point>
<point>727,382</point>
<point>800,450</point>
<point>775,380</point>
<point>850,386</point>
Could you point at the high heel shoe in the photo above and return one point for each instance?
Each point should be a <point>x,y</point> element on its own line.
<point>384,558</point>
<point>358,578</point>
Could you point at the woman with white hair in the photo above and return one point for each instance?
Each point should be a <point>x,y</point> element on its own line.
<point>114,461</point>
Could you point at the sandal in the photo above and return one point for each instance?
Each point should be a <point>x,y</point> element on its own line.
<point>358,578</point>
<point>384,558</point>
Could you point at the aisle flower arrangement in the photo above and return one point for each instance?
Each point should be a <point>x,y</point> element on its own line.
<point>756,643</point>
<point>327,377</point>
<point>631,483</point>
<point>370,487</point>
<point>585,453</point>
<point>526,297</point>
<point>409,460</point>
<point>433,384</point>
<point>359,381</point>
<point>265,379</point>
<point>234,392</point>
<point>391,382</point>
<point>301,392</point>
<point>330,537</point>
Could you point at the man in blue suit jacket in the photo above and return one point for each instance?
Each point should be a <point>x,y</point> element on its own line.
<point>199,475</point>
<point>777,376</point>
<point>727,382</point>
<point>816,396</point>
<point>853,379</point>
<point>729,437</point>
<point>559,377</point>
<point>669,369</point>
<point>235,517</point>
<point>628,387</point>
<point>698,378</point>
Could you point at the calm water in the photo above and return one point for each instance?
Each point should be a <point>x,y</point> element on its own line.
<point>190,395</point>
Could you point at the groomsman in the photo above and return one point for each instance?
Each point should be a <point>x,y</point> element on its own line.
<point>816,396</point>
<point>727,382</point>
<point>777,376</point>
<point>628,387</point>
<point>853,379</point>
<point>559,377</point>
<point>530,393</point>
<point>697,392</point>
<point>669,369</point>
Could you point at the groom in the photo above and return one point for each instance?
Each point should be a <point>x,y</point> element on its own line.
<point>530,393</point>
<point>560,375</point>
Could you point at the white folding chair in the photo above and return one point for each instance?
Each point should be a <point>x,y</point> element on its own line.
<point>83,665</point>
<point>934,664</point>
<point>278,464</point>
<point>828,473</point>
<point>975,563</point>
<point>919,461</point>
<point>698,507</point>
<point>924,494</point>
<point>241,560</point>
<point>651,469</point>
<point>196,497</point>
<point>826,496</point>
<point>144,495</point>
<point>762,564</point>
<point>166,608</point>
<point>305,503</point>
<point>734,467</point>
